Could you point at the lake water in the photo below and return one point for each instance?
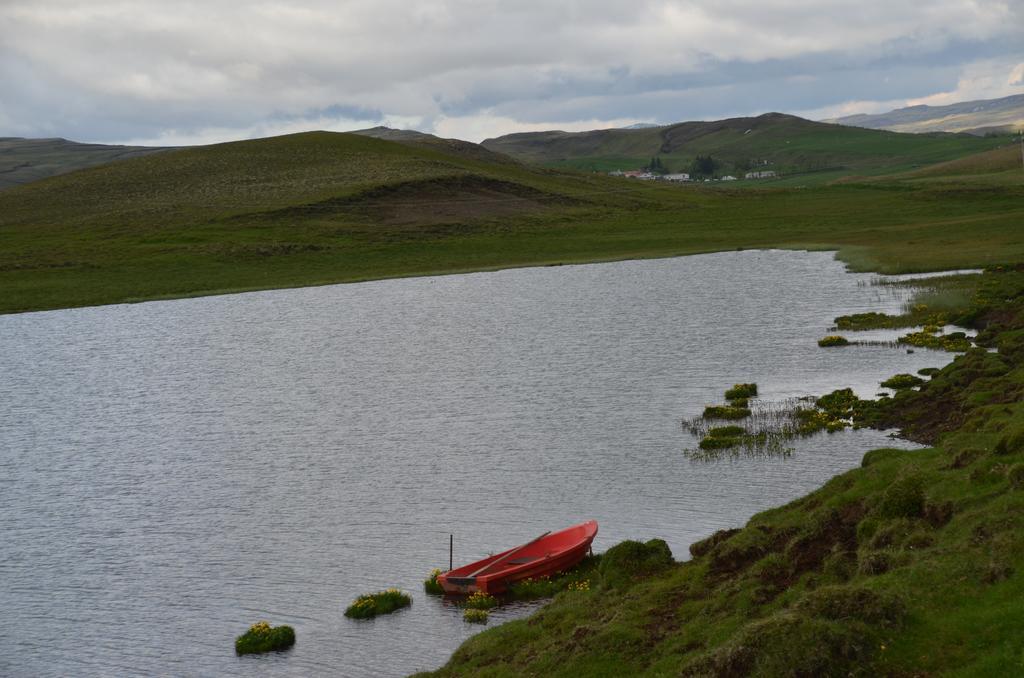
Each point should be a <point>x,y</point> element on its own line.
<point>171,472</point>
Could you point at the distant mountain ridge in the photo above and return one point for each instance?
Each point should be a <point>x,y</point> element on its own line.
<point>458,147</point>
<point>773,141</point>
<point>25,160</point>
<point>976,117</point>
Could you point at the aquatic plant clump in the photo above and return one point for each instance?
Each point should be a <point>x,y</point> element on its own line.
<point>719,442</point>
<point>902,381</point>
<point>430,584</point>
<point>726,412</point>
<point>833,340</point>
<point>741,391</point>
<point>262,637</point>
<point>382,602</point>
<point>864,321</point>
<point>839,404</point>
<point>811,421</point>
<point>726,431</point>
<point>917,314</point>
<point>475,616</point>
<point>771,424</point>
<point>929,337</point>
<point>480,601</point>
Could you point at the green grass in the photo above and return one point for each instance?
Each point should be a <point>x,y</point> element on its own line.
<point>912,564</point>
<point>322,208</point>
<point>576,578</point>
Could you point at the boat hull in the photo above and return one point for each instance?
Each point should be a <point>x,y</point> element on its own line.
<point>545,557</point>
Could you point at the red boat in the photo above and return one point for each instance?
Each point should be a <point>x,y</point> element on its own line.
<point>548,554</point>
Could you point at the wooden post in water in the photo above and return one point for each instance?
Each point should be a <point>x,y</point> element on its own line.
<point>451,550</point>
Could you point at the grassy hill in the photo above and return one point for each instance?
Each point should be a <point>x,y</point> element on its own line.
<point>25,160</point>
<point>1007,159</point>
<point>319,208</point>
<point>784,143</point>
<point>1005,114</point>
<point>292,210</point>
<point>435,143</point>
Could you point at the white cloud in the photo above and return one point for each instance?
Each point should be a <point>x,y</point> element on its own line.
<point>988,79</point>
<point>197,69</point>
<point>1016,78</point>
<point>846,108</point>
<point>487,125</point>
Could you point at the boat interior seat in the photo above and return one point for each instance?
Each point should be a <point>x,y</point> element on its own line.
<point>523,560</point>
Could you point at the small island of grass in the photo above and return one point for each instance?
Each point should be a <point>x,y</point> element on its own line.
<point>833,340</point>
<point>739,391</point>
<point>930,337</point>
<point>480,601</point>
<point>475,616</point>
<point>902,381</point>
<point>382,602</point>
<point>262,637</point>
<point>430,584</point>
<point>726,412</point>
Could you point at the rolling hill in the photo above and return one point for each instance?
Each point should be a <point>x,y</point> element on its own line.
<point>25,160</point>
<point>297,209</point>
<point>1005,115</point>
<point>432,142</point>
<point>321,207</point>
<point>784,143</point>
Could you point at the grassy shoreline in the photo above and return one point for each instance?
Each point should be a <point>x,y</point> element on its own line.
<point>295,212</point>
<point>911,565</point>
<point>196,294</point>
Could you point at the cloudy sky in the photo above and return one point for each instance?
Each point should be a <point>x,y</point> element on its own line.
<point>161,72</point>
